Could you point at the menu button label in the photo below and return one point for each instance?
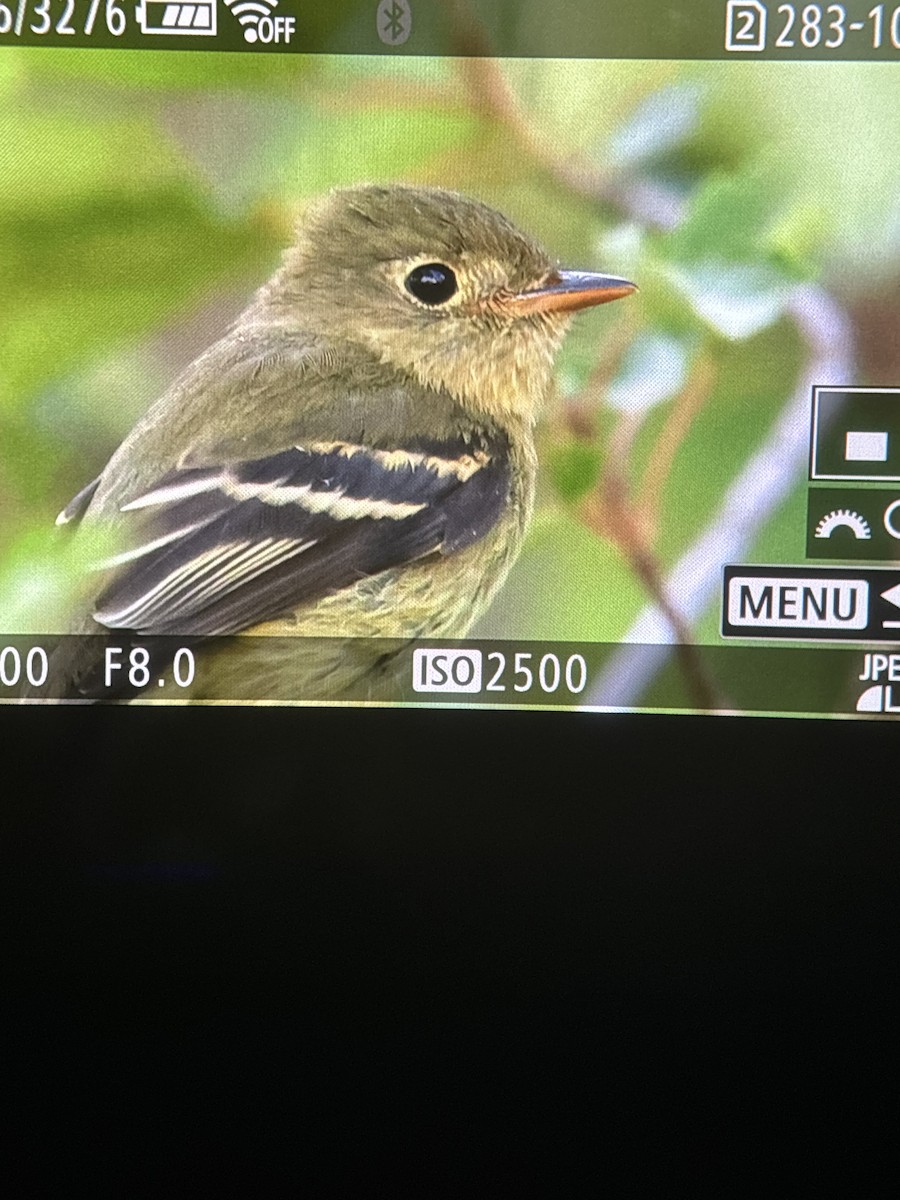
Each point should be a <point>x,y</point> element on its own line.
<point>792,602</point>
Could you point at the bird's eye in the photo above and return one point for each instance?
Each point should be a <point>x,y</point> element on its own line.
<point>432,283</point>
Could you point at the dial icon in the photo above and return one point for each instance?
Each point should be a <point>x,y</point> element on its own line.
<point>843,518</point>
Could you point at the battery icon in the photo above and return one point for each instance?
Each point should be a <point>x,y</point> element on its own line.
<point>166,16</point>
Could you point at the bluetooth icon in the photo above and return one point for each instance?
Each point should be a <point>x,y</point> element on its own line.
<point>394,21</point>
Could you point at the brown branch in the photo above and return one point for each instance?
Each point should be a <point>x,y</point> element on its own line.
<point>681,416</point>
<point>611,512</point>
<point>608,512</point>
<point>494,99</point>
<point>492,96</point>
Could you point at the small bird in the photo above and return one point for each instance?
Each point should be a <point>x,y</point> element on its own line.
<point>355,458</point>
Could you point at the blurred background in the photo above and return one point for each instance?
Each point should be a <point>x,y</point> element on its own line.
<point>144,196</point>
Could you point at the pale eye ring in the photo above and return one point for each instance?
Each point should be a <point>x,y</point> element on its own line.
<point>432,283</point>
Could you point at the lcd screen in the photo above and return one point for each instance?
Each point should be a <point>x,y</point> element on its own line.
<point>419,354</point>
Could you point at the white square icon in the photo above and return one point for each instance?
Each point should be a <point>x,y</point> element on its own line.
<point>866,447</point>
<point>854,433</point>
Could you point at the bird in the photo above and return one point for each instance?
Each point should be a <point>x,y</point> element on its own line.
<point>353,461</point>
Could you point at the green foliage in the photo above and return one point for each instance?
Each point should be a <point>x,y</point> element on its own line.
<point>574,469</point>
<point>726,220</point>
<point>328,149</point>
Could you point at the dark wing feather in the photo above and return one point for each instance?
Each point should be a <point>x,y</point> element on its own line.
<point>220,549</point>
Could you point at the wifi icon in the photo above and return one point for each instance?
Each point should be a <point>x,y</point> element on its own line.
<point>256,20</point>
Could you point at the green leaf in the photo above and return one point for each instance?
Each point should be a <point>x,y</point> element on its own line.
<point>727,220</point>
<point>799,237</point>
<point>739,253</point>
<point>574,469</point>
<point>749,219</point>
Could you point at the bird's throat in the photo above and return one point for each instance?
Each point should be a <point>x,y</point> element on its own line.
<point>504,377</point>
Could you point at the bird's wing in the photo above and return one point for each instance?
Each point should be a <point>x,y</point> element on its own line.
<point>217,549</point>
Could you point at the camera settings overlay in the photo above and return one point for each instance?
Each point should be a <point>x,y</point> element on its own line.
<point>771,679</point>
<point>645,29</point>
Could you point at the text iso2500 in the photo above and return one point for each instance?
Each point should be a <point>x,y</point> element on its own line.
<point>472,671</point>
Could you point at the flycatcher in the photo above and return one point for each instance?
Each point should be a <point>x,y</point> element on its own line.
<point>355,458</point>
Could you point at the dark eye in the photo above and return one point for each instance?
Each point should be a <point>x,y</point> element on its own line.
<point>432,283</point>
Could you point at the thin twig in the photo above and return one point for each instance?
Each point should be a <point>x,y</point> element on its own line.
<point>681,416</point>
<point>608,512</point>
<point>491,95</point>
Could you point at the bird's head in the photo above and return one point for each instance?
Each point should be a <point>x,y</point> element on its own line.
<point>438,286</point>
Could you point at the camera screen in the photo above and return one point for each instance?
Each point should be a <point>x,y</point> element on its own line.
<point>459,353</point>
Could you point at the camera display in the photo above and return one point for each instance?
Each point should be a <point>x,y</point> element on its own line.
<point>460,378</point>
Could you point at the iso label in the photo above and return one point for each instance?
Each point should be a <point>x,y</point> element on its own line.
<point>520,671</point>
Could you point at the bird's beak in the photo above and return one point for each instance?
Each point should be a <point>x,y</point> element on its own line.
<point>568,291</point>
